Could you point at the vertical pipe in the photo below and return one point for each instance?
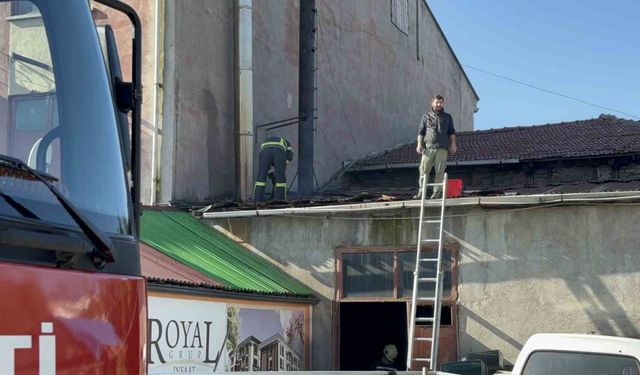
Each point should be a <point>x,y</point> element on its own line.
<point>156,51</point>
<point>418,30</point>
<point>244,102</point>
<point>306,95</point>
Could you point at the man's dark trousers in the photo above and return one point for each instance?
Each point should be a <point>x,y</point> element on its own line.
<point>276,156</point>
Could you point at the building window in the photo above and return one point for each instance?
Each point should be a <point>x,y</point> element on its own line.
<point>32,113</point>
<point>368,274</point>
<point>364,274</point>
<point>400,15</point>
<point>407,264</point>
<point>19,8</point>
<point>281,364</point>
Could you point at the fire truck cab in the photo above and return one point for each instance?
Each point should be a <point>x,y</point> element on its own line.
<point>73,300</point>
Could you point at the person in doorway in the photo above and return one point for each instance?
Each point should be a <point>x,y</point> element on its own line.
<point>388,360</point>
<point>275,152</point>
<point>436,139</point>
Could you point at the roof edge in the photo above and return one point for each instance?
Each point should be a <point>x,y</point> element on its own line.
<point>208,291</point>
<point>375,167</point>
<point>385,166</point>
<point>497,201</point>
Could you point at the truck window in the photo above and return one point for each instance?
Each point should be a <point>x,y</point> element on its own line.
<point>57,115</point>
<point>564,363</point>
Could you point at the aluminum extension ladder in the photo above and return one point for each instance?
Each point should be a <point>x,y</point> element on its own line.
<point>436,279</point>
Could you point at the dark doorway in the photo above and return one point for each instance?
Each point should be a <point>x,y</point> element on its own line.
<point>366,327</point>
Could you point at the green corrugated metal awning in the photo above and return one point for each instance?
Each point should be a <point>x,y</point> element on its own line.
<point>187,240</point>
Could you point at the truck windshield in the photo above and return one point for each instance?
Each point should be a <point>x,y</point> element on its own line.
<point>57,115</point>
<point>567,363</point>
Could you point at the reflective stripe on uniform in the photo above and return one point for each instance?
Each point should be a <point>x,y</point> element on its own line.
<point>281,184</point>
<point>261,183</point>
<point>279,144</point>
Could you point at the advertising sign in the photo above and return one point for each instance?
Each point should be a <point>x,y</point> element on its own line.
<point>187,336</point>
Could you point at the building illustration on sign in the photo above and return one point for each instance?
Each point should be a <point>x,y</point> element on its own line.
<point>272,340</point>
<point>271,355</point>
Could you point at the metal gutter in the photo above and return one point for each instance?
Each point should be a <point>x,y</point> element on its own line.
<point>449,163</point>
<point>539,199</point>
<point>156,286</point>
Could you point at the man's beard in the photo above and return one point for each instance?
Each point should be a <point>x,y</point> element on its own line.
<point>437,110</point>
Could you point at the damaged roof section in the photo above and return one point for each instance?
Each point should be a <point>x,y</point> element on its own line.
<point>606,135</point>
<point>587,156</point>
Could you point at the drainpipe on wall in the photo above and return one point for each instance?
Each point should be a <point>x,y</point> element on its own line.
<point>157,87</point>
<point>306,95</point>
<point>244,100</point>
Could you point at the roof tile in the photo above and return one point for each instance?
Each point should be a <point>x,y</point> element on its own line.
<point>602,136</point>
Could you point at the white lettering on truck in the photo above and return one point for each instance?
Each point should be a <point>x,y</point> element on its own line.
<point>46,344</point>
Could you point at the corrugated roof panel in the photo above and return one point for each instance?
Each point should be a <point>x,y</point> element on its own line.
<point>156,265</point>
<point>184,238</point>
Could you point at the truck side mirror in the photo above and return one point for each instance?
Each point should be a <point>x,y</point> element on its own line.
<point>123,92</point>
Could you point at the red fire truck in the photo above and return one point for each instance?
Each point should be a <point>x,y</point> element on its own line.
<point>72,298</point>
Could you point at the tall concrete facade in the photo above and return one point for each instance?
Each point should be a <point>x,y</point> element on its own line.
<point>373,80</point>
<point>376,72</point>
<point>198,105</point>
<point>571,269</point>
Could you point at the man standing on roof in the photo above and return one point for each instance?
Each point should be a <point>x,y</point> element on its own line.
<point>436,138</point>
<point>276,152</point>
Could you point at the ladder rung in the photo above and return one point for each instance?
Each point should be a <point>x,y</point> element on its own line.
<point>431,240</point>
<point>431,221</point>
<point>423,339</point>
<point>429,279</point>
<point>429,259</point>
<point>422,359</point>
<point>434,184</point>
<point>425,319</point>
<point>426,299</point>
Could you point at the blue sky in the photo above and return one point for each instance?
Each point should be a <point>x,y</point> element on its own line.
<point>585,49</point>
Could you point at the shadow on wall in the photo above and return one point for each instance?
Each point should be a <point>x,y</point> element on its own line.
<point>476,345</point>
<point>606,313</point>
<point>564,252</point>
<point>213,135</point>
<point>316,275</point>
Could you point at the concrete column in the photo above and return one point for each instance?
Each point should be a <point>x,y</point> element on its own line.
<point>244,100</point>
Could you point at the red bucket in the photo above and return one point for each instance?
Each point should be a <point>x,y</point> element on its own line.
<point>454,188</point>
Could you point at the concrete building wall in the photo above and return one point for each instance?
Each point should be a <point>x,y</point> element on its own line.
<point>373,79</point>
<point>198,111</point>
<point>373,83</point>
<point>521,271</point>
